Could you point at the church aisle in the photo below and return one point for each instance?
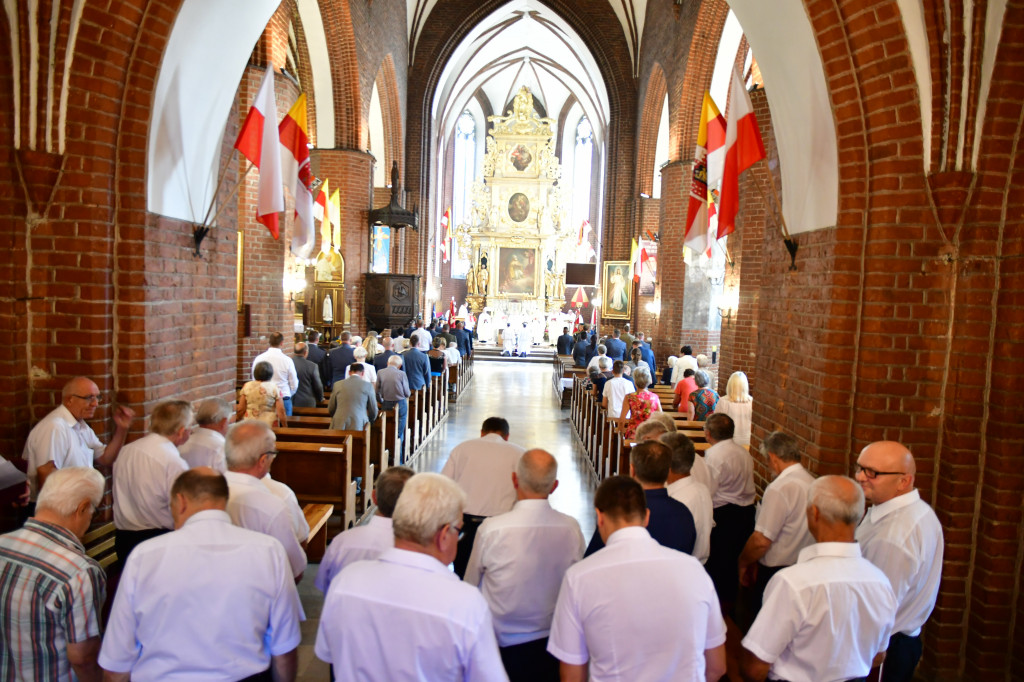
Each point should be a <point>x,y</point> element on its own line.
<point>522,394</point>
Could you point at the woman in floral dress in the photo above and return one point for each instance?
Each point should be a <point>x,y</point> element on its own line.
<point>638,405</point>
<point>261,399</point>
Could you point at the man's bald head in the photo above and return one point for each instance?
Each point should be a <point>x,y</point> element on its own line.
<point>835,505</point>
<point>886,470</point>
<point>536,474</point>
<point>81,396</point>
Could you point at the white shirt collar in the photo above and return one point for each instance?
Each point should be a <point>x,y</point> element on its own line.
<point>788,471</point>
<point>532,504</point>
<point>880,511</point>
<point>493,437</point>
<point>417,560</point>
<point>627,534</point>
<point>216,515</point>
<point>849,550</point>
<point>378,520</point>
<point>65,414</point>
<point>243,479</point>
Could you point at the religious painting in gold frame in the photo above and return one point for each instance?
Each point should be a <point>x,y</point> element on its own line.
<point>517,271</point>
<point>330,267</point>
<point>616,290</point>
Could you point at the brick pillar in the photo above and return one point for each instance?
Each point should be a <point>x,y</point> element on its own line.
<point>743,280</point>
<point>351,171</point>
<point>671,267</point>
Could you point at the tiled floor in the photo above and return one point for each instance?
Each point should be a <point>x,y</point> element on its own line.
<point>522,394</point>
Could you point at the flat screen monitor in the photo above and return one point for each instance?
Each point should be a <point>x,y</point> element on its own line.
<point>580,274</point>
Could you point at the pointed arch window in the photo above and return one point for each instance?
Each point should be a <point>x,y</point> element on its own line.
<point>465,173</point>
<point>583,157</point>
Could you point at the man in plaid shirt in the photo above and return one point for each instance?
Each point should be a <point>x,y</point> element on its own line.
<point>51,593</point>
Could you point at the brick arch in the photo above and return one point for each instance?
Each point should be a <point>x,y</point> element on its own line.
<point>350,130</point>
<point>448,24</point>
<point>391,108</point>
<point>700,67</point>
<point>650,121</point>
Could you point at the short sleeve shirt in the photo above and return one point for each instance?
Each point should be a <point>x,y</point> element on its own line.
<point>782,517</point>
<point>51,596</point>
<point>60,438</point>
<point>665,597</point>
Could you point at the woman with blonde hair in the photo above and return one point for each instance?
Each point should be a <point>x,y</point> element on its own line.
<point>738,404</point>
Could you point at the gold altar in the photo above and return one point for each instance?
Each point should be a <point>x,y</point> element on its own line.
<point>515,238</point>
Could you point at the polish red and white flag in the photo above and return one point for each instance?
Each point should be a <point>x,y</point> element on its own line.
<point>258,140</point>
<point>743,148</point>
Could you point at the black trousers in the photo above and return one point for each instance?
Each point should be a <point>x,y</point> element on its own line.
<point>901,658</point>
<point>752,597</point>
<point>470,524</point>
<point>126,540</point>
<point>265,676</point>
<point>530,662</point>
<point>733,526</point>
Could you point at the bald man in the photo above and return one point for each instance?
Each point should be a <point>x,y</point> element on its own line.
<point>518,562</point>
<point>63,439</point>
<point>902,536</point>
<point>828,616</point>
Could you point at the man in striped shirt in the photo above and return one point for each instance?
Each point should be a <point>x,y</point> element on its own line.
<point>51,593</point>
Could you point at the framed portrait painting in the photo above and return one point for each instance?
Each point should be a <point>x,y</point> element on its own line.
<point>517,271</point>
<point>616,290</point>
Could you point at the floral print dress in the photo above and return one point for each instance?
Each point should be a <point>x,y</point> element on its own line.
<point>641,405</point>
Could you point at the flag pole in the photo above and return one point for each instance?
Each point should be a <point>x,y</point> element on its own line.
<point>234,190</point>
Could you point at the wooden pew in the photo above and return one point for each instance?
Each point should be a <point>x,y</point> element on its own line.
<point>316,518</point>
<point>319,473</point>
<point>99,544</point>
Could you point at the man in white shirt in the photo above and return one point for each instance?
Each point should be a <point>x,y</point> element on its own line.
<point>780,531</point>
<point>828,617</point>
<point>285,377</point>
<point>699,470</point>
<point>438,628</point>
<point>63,439</point>
<point>684,487</point>
<point>483,469</point>
<point>518,562</point>
<point>144,473</point>
<point>239,622</point>
<point>902,536</point>
<point>636,610</point>
<point>684,362</point>
<point>249,449</point>
<point>205,447</point>
<point>421,338</point>
<point>615,391</point>
<point>368,541</point>
<point>732,467</point>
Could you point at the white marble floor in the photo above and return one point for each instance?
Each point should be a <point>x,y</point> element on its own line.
<point>522,394</point>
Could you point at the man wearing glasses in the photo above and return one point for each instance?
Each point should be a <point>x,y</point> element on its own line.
<point>902,536</point>
<point>63,439</point>
<point>249,449</point>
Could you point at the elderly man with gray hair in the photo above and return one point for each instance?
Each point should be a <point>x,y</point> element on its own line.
<point>829,616</point>
<point>52,594</point>
<point>144,473</point>
<point>442,624</point>
<point>518,562</point>
<point>205,447</point>
<point>687,488</point>
<point>780,530</point>
<point>250,451</point>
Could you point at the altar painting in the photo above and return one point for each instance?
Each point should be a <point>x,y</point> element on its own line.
<point>517,269</point>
